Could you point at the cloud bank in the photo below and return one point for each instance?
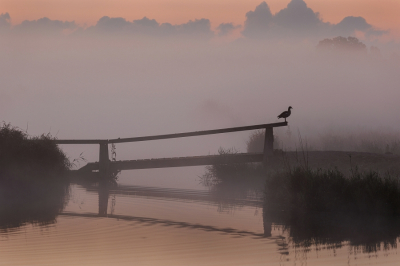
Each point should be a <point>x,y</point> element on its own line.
<point>199,28</point>
<point>5,21</point>
<point>44,26</point>
<point>296,22</point>
<point>226,28</point>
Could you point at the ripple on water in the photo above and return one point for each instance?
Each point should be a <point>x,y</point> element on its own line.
<point>150,230</point>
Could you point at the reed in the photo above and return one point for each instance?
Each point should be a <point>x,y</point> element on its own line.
<point>363,141</point>
<point>303,191</point>
<point>231,173</point>
<point>34,185</point>
<point>25,158</point>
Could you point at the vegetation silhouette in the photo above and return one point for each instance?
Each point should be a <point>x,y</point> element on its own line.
<point>366,141</point>
<point>341,44</point>
<point>302,191</point>
<point>326,207</point>
<point>34,185</point>
<point>320,198</point>
<point>243,181</point>
<point>365,233</point>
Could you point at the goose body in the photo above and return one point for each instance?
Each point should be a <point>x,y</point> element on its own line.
<point>286,114</point>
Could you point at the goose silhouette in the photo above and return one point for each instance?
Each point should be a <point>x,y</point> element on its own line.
<point>285,114</point>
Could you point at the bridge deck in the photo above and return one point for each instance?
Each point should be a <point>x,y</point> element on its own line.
<point>170,136</point>
<point>178,162</point>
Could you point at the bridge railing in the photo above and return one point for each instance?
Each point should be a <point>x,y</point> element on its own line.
<point>104,157</point>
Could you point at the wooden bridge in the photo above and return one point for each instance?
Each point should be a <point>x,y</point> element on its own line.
<point>104,165</point>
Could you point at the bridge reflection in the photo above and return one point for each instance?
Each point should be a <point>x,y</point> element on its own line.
<point>153,221</point>
<point>365,234</point>
<point>104,189</point>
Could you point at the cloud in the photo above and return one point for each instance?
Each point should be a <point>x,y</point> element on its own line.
<point>295,20</point>
<point>298,20</point>
<point>226,28</point>
<point>107,24</point>
<point>258,21</point>
<point>145,22</point>
<point>45,26</point>
<point>349,25</point>
<point>199,27</point>
<point>150,27</point>
<point>5,21</point>
<point>297,16</point>
<point>120,25</point>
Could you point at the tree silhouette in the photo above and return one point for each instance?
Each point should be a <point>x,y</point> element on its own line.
<point>342,44</point>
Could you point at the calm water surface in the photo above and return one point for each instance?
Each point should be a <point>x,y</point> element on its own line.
<point>165,217</point>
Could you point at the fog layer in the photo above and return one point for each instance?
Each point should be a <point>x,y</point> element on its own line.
<point>125,79</point>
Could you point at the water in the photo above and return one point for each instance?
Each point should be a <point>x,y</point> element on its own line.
<point>165,217</point>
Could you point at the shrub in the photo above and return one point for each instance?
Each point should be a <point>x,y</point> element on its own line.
<point>23,157</point>
<point>255,143</point>
<point>33,182</point>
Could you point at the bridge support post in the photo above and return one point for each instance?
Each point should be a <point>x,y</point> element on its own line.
<point>104,193</point>
<point>267,222</point>
<point>103,159</point>
<point>268,144</point>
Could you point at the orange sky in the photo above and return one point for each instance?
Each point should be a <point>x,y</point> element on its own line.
<point>383,14</point>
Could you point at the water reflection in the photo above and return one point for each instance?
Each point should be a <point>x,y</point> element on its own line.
<point>36,202</point>
<point>366,234</point>
<point>102,182</point>
<point>104,193</point>
<point>153,221</point>
<point>186,195</point>
<point>363,233</point>
<point>41,205</point>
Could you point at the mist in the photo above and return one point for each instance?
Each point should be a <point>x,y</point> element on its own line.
<point>124,78</point>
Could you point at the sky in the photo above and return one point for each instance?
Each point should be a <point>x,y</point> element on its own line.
<point>109,69</point>
<point>382,14</point>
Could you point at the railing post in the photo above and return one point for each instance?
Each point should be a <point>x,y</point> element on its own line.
<point>103,159</point>
<point>268,143</point>
<point>104,162</point>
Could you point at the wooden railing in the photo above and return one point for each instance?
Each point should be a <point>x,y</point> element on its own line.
<point>104,161</point>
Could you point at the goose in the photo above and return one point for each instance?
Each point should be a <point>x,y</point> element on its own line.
<point>285,114</point>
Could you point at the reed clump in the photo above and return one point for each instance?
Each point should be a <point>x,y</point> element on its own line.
<point>24,158</point>
<point>34,185</point>
<point>368,141</point>
<point>233,181</point>
<point>232,172</point>
<point>304,191</point>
